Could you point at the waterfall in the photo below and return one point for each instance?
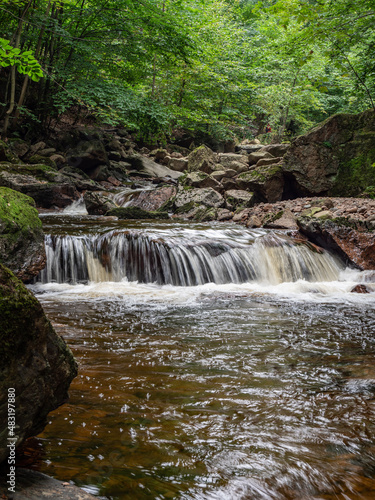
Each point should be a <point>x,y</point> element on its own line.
<point>161,259</point>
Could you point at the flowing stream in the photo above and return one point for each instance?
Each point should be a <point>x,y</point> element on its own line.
<point>215,363</point>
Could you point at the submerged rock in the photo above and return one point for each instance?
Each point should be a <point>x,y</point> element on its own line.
<point>21,235</point>
<point>33,485</point>
<point>35,361</point>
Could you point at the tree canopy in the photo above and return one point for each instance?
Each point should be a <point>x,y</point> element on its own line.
<point>217,67</point>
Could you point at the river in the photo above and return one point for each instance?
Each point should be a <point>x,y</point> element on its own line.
<point>215,363</point>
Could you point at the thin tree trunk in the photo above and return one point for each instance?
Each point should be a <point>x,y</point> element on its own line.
<point>13,71</point>
<point>26,79</point>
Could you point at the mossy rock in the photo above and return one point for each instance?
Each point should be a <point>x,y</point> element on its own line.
<point>136,213</point>
<point>35,361</point>
<point>6,155</point>
<point>21,235</point>
<point>44,160</point>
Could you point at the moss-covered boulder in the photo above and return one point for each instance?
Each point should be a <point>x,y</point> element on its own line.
<point>98,203</point>
<point>6,154</point>
<point>336,158</point>
<point>202,159</point>
<point>136,213</point>
<point>35,362</point>
<point>21,235</point>
<point>47,186</point>
<point>266,182</point>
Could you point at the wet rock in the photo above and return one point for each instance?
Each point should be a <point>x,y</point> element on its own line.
<point>35,361</point>
<point>21,235</point>
<point>146,167</point>
<point>152,200</point>
<point>360,289</point>
<point>33,485</point>
<point>98,203</point>
<point>237,198</point>
<point>202,159</point>
<point>349,240</point>
<point>135,213</point>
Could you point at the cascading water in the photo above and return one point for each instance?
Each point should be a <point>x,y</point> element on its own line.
<point>258,382</point>
<point>186,261</point>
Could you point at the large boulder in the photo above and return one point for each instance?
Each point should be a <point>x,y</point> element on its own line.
<point>348,238</point>
<point>207,197</point>
<point>227,159</point>
<point>21,235</point>
<point>35,362</point>
<point>276,150</point>
<point>202,159</point>
<point>334,158</point>
<point>259,155</point>
<point>87,155</point>
<point>98,203</point>
<point>237,198</point>
<point>267,182</point>
<point>202,180</point>
<point>145,167</point>
<point>48,187</point>
<point>152,200</point>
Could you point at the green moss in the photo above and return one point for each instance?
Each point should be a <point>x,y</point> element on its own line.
<point>6,155</point>
<point>168,206</point>
<point>17,214</point>
<point>184,209</point>
<point>136,213</point>
<point>205,215</point>
<point>44,160</point>
<point>356,174</point>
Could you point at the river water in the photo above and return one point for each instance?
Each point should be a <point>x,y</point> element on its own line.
<point>215,363</point>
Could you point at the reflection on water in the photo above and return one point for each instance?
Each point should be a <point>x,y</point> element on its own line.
<point>244,391</point>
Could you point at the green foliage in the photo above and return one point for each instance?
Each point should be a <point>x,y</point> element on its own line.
<point>211,67</point>
<point>25,62</point>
